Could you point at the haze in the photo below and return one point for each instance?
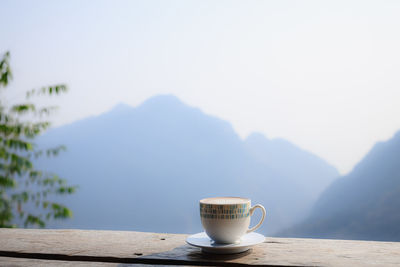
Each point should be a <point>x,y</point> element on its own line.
<point>323,75</point>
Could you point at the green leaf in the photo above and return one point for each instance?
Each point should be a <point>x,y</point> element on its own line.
<point>49,90</point>
<point>60,211</point>
<point>18,144</point>
<point>5,70</point>
<point>34,220</point>
<point>23,108</point>
<point>55,151</point>
<point>7,182</point>
<point>66,190</point>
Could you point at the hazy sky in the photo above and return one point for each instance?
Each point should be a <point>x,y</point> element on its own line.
<point>324,75</point>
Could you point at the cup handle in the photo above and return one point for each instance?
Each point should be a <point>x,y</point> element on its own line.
<point>262,219</point>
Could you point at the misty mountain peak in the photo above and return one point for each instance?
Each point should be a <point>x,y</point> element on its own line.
<point>162,102</point>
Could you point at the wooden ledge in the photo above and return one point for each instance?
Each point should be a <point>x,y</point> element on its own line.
<point>22,247</point>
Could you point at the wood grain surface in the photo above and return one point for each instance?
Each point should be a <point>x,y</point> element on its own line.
<point>86,247</point>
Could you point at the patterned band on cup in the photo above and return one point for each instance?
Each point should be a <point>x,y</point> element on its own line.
<point>235,211</point>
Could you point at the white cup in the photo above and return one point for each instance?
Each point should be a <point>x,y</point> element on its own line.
<point>227,219</point>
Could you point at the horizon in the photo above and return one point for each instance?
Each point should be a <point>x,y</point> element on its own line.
<point>323,76</point>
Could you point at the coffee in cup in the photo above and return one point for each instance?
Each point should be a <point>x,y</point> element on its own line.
<point>227,219</point>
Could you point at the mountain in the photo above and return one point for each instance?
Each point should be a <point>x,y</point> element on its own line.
<point>291,161</point>
<point>308,175</point>
<point>365,204</point>
<point>145,169</point>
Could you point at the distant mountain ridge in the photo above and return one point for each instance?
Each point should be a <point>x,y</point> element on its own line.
<point>365,204</point>
<point>145,168</point>
<point>288,159</point>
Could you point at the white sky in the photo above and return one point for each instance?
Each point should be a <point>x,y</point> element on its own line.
<point>324,75</point>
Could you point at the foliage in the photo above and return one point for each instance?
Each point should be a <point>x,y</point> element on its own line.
<point>25,192</point>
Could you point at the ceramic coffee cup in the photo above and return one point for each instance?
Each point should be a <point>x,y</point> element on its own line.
<point>227,219</point>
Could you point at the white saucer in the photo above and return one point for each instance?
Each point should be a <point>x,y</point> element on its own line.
<point>202,241</point>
